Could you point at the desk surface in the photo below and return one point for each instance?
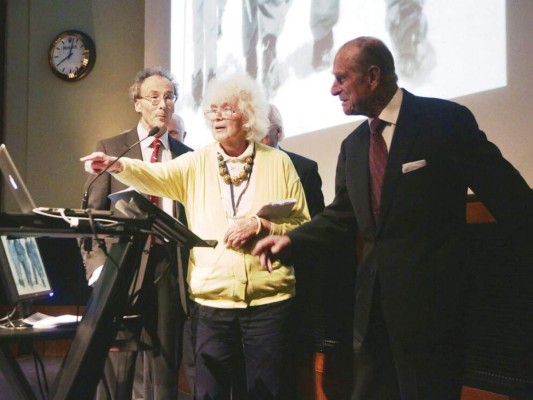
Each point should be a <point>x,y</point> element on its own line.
<point>58,332</point>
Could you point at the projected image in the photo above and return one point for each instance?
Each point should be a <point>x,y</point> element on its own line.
<point>26,265</point>
<point>442,49</point>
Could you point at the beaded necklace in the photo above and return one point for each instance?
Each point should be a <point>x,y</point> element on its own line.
<point>244,175</point>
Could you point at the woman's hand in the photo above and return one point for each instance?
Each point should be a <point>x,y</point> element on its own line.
<point>97,162</point>
<point>242,231</point>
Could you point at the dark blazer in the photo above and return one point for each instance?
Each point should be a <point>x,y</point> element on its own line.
<point>105,184</point>
<point>114,146</point>
<point>418,248</point>
<point>307,170</point>
<point>324,276</point>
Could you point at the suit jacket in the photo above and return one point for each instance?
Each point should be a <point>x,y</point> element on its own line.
<point>307,170</point>
<point>417,250</point>
<point>106,184</point>
<point>324,276</point>
<point>114,146</point>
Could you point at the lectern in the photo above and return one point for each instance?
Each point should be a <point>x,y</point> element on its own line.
<point>83,365</point>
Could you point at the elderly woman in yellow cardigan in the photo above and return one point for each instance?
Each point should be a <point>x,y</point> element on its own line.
<point>239,308</point>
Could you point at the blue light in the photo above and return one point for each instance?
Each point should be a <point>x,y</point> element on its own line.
<point>51,294</point>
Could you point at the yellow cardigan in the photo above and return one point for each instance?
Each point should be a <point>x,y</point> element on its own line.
<point>223,277</point>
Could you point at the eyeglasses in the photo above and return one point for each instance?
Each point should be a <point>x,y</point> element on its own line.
<point>225,112</point>
<point>156,99</point>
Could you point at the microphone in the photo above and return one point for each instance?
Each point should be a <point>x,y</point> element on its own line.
<point>85,200</point>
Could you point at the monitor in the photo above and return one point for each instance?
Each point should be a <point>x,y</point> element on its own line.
<point>23,272</point>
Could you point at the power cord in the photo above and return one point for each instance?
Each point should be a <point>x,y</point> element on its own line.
<point>40,370</point>
<point>60,213</point>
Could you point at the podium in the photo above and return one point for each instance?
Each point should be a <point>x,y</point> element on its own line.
<point>84,363</point>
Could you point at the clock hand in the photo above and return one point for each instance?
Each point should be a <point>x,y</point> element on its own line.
<point>64,59</point>
<point>70,50</point>
<point>69,54</point>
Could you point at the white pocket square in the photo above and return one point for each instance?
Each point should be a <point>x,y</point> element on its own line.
<point>411,166</point>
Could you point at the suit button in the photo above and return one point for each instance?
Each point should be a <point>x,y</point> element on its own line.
<point>372,272</point>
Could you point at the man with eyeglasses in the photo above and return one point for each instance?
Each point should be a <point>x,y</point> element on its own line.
<point>159,300</point>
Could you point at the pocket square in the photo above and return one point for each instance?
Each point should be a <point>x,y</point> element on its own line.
<point>411,166</point>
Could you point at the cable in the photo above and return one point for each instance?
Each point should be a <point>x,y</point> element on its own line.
<point>73,221</point>
<point>39,366</point>
<point>9,315</point>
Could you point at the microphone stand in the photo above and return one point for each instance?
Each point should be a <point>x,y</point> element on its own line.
<point>87,242</point>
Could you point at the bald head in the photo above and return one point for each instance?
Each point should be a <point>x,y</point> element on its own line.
<point>275,132</point>
<point>176,128</point>
<point>366,51</point>
<point>365,79</point>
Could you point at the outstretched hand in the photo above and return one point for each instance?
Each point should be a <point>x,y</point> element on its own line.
<point>97,161</point>
<point>270,248</point>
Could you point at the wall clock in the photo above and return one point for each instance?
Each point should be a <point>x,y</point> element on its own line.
<point>72,55</point>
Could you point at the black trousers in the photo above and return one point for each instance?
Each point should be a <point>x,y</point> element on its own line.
<point>387,370</point>
<point>250,344</point>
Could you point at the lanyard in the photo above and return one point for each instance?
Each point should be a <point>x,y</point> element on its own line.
<point>235,206</point>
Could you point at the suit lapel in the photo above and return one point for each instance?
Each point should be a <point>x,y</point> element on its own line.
<point>177,148</point>
<point>129,140</point>
<point>357,161</point>
<point>407,129</point>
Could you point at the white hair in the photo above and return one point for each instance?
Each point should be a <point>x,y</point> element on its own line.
<point>249,98</point>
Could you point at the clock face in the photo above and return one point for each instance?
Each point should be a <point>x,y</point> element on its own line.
<point>72,55</point>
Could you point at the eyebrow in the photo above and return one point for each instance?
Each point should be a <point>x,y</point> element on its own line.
<point>153,92</point>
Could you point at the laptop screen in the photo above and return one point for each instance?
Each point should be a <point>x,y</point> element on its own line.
<point>15,182</point>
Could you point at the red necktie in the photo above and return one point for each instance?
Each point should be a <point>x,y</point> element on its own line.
<point>156,145</point>
<point>377,158</point>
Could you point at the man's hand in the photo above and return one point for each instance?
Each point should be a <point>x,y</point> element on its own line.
<point>269,249</point>
<point>96,162</point>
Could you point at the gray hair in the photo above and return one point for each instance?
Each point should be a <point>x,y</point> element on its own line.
<point>274,116</point>
<point>135,88</point>
<point>249,98</point>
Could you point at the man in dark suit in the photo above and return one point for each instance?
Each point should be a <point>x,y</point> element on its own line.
<point>411,280</point>
<point>306,168</point>
<point>323,310</point>
<point>158,299</point>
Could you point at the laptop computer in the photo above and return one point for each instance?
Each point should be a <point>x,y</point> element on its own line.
<point>23,197</point>
<point>15,182</point>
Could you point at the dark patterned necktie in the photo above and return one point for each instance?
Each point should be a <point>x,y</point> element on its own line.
<point>156,145</point>
<point>377,157</point>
